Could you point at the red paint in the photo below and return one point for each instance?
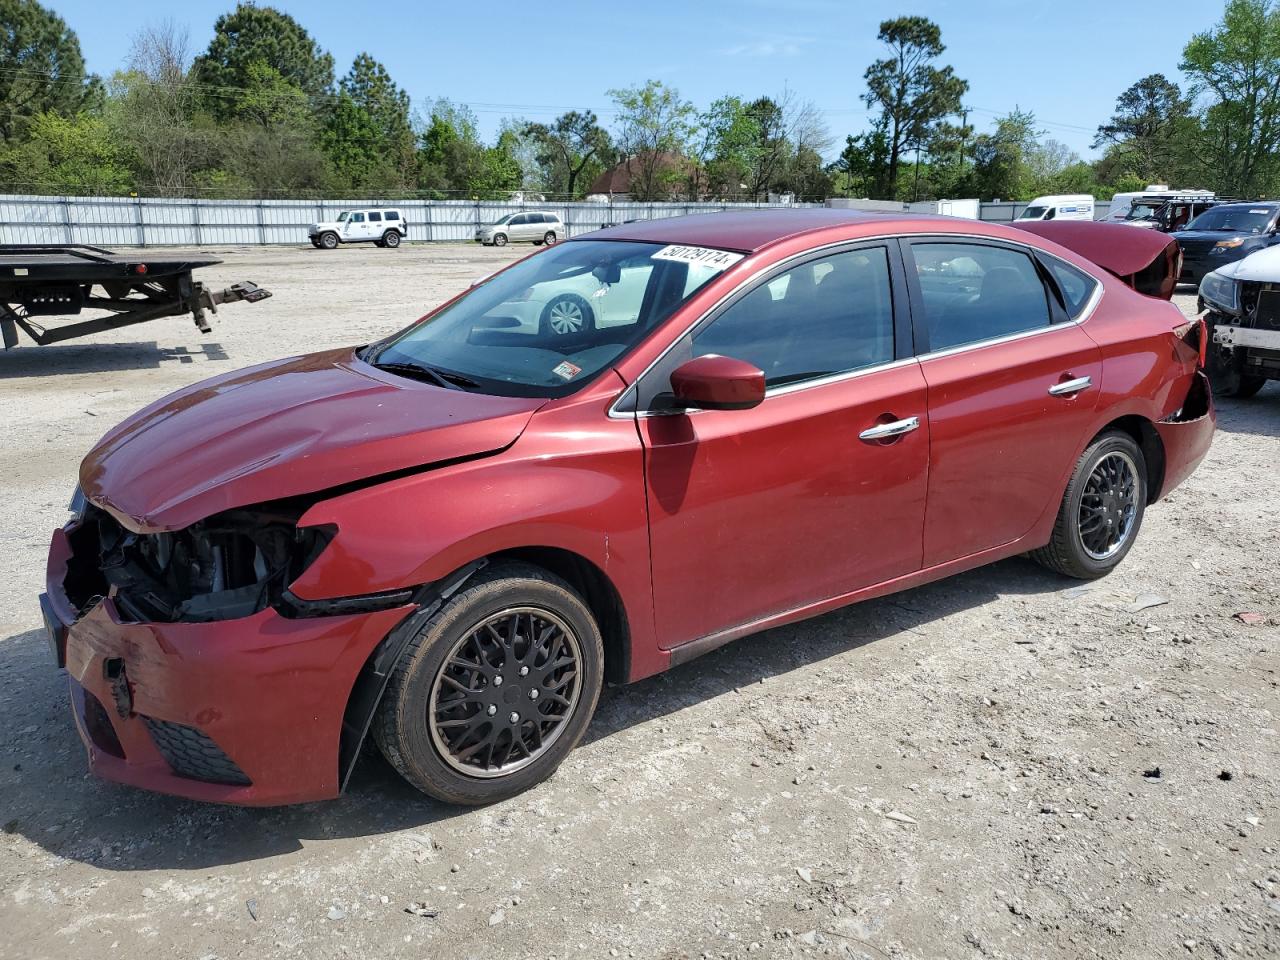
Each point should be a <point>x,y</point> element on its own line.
<point>718,383</point>
<point>708,525</point>
<point>281,429</point>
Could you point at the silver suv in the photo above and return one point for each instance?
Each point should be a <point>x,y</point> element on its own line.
<point>534,227</point>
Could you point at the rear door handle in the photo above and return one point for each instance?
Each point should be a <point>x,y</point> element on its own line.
<point>882,431</point>
<point>1070,387</point>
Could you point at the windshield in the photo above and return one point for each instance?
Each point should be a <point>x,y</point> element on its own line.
<point>1142,209</point>
<point>342,217</point>
<point>549,324</point>
<point>1033,213</point>
<point>506,219</point>
<point>1233,219</point>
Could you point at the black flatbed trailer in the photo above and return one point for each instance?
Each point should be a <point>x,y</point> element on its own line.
<point>59,280</point>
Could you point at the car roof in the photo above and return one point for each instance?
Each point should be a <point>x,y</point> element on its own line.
<point>1269,204</point>
<point>747,231</point>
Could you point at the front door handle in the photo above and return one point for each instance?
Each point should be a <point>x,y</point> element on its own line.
<point>1071,387</point>
<point>882,431</point>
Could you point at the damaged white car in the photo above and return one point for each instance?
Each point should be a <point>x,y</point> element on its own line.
<point>1243,321</point>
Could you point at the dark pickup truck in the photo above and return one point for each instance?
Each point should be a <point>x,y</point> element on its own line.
<point>61,280</point>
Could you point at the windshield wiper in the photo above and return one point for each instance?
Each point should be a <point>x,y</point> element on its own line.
<point>419,371</point>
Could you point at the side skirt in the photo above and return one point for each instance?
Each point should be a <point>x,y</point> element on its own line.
<point>696,648</point>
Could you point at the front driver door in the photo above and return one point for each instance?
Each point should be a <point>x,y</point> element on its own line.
<point>356,228</point>
<point>764,511</point>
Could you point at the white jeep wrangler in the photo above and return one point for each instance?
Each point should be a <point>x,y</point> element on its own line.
<point>382,227</point>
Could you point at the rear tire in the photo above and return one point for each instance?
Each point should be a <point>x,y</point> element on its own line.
<point>391,239</point>
<point>549,238</point>
<point>1101,511</point>
<point>433,722</point>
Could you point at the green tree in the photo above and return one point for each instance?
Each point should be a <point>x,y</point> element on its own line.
<point>67,155</point>
<point>862,164</point>
<point>570,149</point>
<point>41,67</point>
<point>1148,132</point>
<point>1001,168</point>
<point>911,93</point>
<point>367,134</point>
<point>1236,65</point>
<point>246,40</point>
<point>727,132</point>
<point>152,108</point>
<point>655,126</point>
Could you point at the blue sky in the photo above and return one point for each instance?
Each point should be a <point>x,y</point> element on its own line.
<point>1065,60</point>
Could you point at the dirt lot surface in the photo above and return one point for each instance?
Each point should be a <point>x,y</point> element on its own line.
<point>968,769</point>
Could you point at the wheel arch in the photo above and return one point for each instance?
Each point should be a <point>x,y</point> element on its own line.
<point>598,592</point>
<point>590,582</point>
<point>1144,434</point>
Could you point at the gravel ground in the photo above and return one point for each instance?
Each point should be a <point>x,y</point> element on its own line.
<point>968,769</point>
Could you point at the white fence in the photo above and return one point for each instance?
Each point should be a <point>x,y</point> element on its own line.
<point>145,222</point>
<point>132,221</point>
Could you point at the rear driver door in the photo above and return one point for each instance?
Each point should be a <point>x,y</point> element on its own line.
<point>1013,381</point>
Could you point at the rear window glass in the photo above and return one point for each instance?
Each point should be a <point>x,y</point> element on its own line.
<point>392,215</point>
<point>1076,285</point>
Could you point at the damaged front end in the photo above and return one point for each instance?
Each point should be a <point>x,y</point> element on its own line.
<point>194,671</point>
<point>228,566</point>
<point>1244,316</point>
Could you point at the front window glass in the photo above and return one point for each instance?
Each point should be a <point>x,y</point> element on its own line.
<point>1233,219</point>
<point>552,322</point>
<point>357,218</point>
<point>1033,213</point>
<point>823,317</point>
<point>974,292</point>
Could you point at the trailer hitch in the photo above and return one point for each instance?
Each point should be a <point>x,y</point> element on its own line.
<point>206,299</point>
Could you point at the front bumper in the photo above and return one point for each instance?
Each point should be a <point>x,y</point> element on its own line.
<point>245,711</point>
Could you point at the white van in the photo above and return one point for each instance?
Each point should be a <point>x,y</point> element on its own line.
<point>1128,207</point>
<point>1065,206</point>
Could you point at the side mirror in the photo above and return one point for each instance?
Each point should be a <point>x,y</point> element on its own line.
<point>717,383</point>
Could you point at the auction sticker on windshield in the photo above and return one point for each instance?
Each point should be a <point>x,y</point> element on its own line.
<point>702,256</point>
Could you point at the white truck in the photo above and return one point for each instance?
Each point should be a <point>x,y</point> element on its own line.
<point>1061,206</point>
<point>381,226</point>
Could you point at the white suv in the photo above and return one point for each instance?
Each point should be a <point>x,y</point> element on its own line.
<point>382,227</point>
<point>534,227</point>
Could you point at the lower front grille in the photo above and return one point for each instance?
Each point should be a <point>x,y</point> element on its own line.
<point>192,754</point>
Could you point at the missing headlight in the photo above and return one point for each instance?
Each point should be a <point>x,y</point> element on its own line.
<point>228,566</point>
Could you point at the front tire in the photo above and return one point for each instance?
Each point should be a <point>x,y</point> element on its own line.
<point>1101,511</point>
<point>495,689</point>
<point>499,239</point>
<point>329,240</point>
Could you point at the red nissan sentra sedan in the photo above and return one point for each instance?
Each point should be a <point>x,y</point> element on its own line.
<point>604,460</point>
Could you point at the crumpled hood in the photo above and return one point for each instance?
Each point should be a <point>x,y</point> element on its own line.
<point>285,428</point>
<point>1263,266</point>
